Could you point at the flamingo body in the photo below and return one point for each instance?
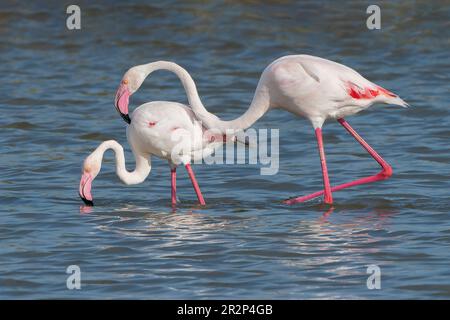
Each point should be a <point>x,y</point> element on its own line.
<point>167,130</point>
<point>319,89</point>
<point>308,86</point>
<point>160,127</point>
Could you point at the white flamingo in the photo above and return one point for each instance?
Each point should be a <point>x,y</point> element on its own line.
<point>168,130</point>
<point>308,86</point>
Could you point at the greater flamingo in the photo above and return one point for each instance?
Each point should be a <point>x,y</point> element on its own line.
<point>308,86</point>
<point>168,130</point>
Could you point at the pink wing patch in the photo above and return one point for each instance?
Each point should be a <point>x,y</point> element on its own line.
<point>357,92</point>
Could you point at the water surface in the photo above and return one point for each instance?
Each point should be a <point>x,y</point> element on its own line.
<point>57,90</point>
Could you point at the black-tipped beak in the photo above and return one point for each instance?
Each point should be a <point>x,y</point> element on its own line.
<point>86,201</point>
<point>126,117</point>
<point>121,102</point>
<point>84,189</point>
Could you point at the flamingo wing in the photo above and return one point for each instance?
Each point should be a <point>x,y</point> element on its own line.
<point>345,85</point>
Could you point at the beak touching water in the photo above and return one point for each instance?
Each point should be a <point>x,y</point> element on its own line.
<point>85,189</point>
<point>121,102</point>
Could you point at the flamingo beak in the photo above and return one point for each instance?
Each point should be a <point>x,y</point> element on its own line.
<point>121,102</point>
<point>85,189</point>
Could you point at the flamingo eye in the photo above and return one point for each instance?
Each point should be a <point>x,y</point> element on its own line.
<point>125,81</point>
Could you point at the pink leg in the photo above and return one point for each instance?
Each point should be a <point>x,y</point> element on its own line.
<point>385,173</point>
<point>195,184</point>
<point>173,173</point>
<point>328,198</point>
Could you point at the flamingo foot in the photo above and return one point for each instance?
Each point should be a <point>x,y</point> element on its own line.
<point>382,175</point>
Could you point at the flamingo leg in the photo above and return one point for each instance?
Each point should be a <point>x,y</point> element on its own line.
<point>195,184</point>
<point>328,198</point>
<point>173,174</point>
<point>385,173</point>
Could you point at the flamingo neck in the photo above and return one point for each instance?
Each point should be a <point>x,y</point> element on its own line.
<point>143,163</point>
<point>259,106</point>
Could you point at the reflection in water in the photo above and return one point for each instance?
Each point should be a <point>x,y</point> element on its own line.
<point>184,224</point>
<point>327,214</point>
<point>85,209</point>
<point>340,249</point>
<point>308,244</point>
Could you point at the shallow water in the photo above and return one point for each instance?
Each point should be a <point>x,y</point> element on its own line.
<point>57,90</point>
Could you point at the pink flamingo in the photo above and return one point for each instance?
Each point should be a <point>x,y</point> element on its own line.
<point>168,130</point>
<point>308,86</point>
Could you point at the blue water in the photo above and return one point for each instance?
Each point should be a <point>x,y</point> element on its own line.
<point>57,90</point>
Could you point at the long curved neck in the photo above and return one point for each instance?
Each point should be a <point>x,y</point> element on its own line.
<point>143,163</point>
<point>258,107</point>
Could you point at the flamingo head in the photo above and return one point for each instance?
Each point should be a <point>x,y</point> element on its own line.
<point>130,83</point>
<point>91,168</point>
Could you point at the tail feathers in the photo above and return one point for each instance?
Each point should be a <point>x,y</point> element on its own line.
<point>392,98</point>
